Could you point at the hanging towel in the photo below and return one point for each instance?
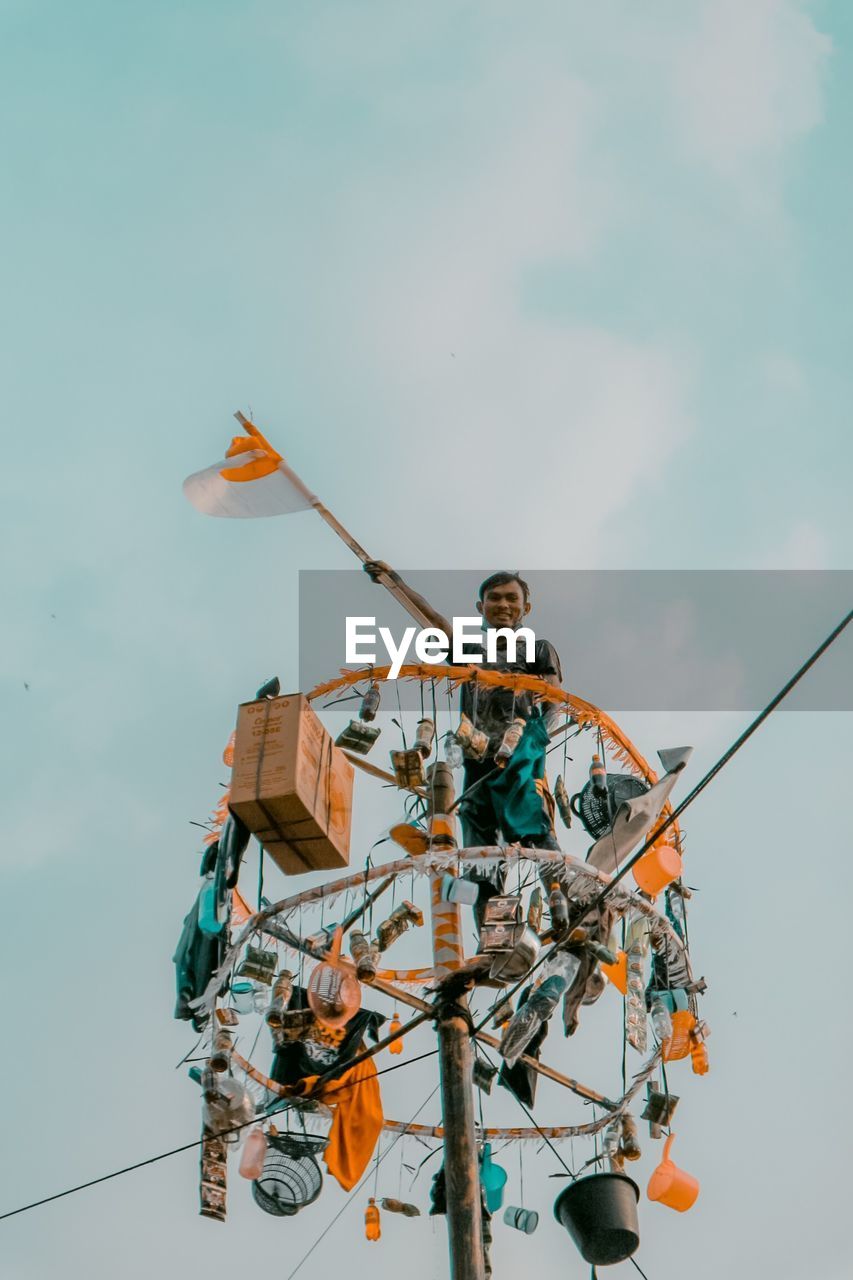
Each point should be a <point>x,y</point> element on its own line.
<point>357,1122</point>
<point>517,793</point>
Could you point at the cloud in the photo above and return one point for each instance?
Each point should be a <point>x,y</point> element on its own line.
<point>748,82</point>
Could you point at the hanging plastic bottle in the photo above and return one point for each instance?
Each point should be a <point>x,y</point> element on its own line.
<point>424,737</point>
<point>539,1006</point>
<point>473,742</point>
<point>365,955</point>
<point>559,908</point>
<point>254,1154</point>
<point>598,776</point>
<point>370,703</point>
<point>510,741</point>
<point>397,1045</point>
<point>535,909</point>
<point>563,965</point>
<point>280,998</point>
<point>372,1229</point>
<point>453,753</point>
<point>611,1148</point>
<point>661,1021</point>
<point>561,796</point>
<point>220,1056</point>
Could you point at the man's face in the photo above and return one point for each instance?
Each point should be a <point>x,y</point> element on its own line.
<point>503,606</point>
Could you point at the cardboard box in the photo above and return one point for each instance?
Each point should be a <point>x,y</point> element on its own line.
<point>291,785</point>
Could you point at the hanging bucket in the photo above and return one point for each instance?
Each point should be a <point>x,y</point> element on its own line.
<point>670,1185</point>
<point>657,868</point>
<point>493,1178</point>
<point>600,1214</point>
<point>526,1220</point>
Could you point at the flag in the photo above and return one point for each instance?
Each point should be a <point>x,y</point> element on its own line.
<point>252,480</point>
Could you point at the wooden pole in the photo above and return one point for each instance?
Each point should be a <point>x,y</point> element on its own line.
<point>453,1025</point>
<point>395,589</point>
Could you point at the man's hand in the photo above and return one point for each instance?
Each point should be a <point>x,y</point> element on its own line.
<point>375,568</point>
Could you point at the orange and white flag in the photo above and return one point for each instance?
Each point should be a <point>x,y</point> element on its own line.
<point>252,480</point>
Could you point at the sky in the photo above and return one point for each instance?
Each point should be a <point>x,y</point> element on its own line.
<point>555,286</point>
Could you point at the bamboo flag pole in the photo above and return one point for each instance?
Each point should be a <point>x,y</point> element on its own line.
<point>396,590</point>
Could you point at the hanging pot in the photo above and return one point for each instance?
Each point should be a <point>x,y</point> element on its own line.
<point>600,1214</point>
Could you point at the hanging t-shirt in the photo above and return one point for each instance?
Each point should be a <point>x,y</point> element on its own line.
<point>321,1048</point>
<point>493,710</point>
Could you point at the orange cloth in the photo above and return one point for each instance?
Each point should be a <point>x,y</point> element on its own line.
<point>357,1122</point>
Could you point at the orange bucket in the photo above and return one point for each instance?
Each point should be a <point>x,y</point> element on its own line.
<point>657,868</point>
<point>670,1185</point>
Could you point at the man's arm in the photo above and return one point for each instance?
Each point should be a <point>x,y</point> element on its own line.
<point>373,568</point>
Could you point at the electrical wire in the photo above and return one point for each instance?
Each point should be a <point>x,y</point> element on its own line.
<point>688,800</point>
<point>188,1146</point>
<point>370,1173</point>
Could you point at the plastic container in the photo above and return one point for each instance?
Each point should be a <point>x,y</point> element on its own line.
<point>657,868</point>
<point>372,1229</point>
<point>493,1178</point>
<point>600,1214</point>
<point>679,1045</point>
<point>243,996</point>
<point>670,1185</point>
<point>254,1155</point>
<point>397,1045</point>
<point>526,1220</point>
<point>527,1020</point>
<point>661,1021</point>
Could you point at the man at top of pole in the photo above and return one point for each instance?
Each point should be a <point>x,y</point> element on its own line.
<point>516,802</point>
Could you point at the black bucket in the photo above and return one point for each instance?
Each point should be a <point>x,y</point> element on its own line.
<point>600,1214</point>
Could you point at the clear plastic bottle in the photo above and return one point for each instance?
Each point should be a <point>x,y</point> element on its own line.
<point>661,1021</point>
<point>370,703</point>
<point>453,753</point>
<point>562,964</point>
<point>527,1020</point>
<point>610,1147</point>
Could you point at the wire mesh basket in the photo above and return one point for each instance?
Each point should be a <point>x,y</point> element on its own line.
<point>291,1178</point>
